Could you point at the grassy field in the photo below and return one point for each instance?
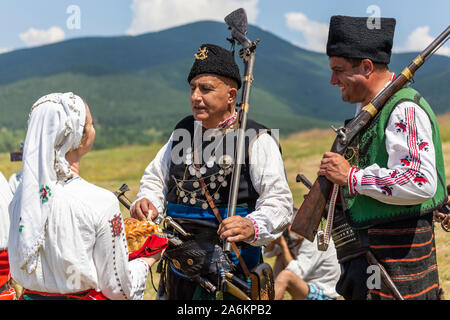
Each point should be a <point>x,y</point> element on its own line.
<point>301,154</point>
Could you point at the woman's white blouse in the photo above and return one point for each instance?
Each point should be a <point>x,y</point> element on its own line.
<point>85,248</point>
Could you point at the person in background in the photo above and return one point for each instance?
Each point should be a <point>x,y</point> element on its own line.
<point>302,270</point>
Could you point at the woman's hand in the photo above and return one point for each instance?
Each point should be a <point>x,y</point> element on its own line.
<point>152,259</point>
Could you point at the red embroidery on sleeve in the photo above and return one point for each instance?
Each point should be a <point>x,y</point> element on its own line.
<point>420,179</point>
<point>116,225</point>
<point>387,190</point>
<point>400,126</point>
<point>352,181</point>
<point>412,161</point>
<point>423,145</point>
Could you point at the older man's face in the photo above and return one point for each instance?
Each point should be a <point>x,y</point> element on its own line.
<point>348,78</point>
<point>212,99</point>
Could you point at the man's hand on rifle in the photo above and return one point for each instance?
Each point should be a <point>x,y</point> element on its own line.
<point>141,210</point>
<point>236,229</point>
<point>443,217</point>
<point>335,168</point>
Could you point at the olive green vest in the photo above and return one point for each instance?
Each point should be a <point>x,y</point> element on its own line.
<point>369,148</point>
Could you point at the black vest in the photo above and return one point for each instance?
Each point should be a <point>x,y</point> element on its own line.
<point>184,186</point>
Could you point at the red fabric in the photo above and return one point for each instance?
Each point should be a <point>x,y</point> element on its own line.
<point>95,295</point>
<point>8,294</point>
<point>4,267</point>
<point>73,295</point>
<point>154,244</point>
<point>83,295</point>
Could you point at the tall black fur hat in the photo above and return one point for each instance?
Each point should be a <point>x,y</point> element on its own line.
<point>213,59</point>
<point>359,37</point>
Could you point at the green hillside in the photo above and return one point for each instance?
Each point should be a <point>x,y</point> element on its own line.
<point>136,85</point>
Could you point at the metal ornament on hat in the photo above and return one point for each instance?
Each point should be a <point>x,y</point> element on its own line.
<point>215,181</point>
<point>201,54</point>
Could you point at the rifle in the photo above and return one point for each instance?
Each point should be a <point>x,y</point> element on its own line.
<point>308,216</point>
<point>261,277</point>
<point>237,23</point>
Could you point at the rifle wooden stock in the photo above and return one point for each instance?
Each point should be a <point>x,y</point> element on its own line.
<point>307,221</point>
<point>310,212</point>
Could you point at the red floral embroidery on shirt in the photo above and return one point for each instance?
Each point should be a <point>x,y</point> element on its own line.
<point>406,161</point>
<point>393,174</point>
<point>423,145</point>
<point>400,126</point>
<point>228,121</point>
<point>255,226</point>
<point>387,190</point>
<point>412,161</point>
<point>352,181</point>
<point>420,179</point>
<point>116,225</point>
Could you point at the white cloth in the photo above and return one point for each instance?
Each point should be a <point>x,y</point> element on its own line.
<point>14,181</point>
<point>5,199</point>
<point>82,250</point>
<point>410,177</point>
<point>320,268</point>
<point>274,207</point>
<point>55,126</point>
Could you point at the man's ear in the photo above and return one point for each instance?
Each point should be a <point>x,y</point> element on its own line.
<point>367,67</point>
<point>232,94</point>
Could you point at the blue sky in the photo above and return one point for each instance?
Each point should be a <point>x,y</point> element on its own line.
<point>25,23</point>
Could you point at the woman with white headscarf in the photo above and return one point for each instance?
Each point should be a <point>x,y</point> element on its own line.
<point>67,238</point>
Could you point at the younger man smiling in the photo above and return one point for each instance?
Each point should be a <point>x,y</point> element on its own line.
<point>393,179</point>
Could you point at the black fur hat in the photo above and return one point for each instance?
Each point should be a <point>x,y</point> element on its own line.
<point>213,59</point>
<point>357,37</point>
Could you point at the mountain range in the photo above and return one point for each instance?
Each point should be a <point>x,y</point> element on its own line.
<point>137,90</point>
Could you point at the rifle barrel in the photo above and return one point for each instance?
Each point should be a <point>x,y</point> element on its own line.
<point>240,143</point>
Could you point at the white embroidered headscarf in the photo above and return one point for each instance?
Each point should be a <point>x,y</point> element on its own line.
<point>55,126</point>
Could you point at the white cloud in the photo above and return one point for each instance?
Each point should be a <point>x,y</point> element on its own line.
<point>5,50</point>
<point>155,15</point>
<point>315,33</point>
<point>419,39</point>
<point>35,37</point>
